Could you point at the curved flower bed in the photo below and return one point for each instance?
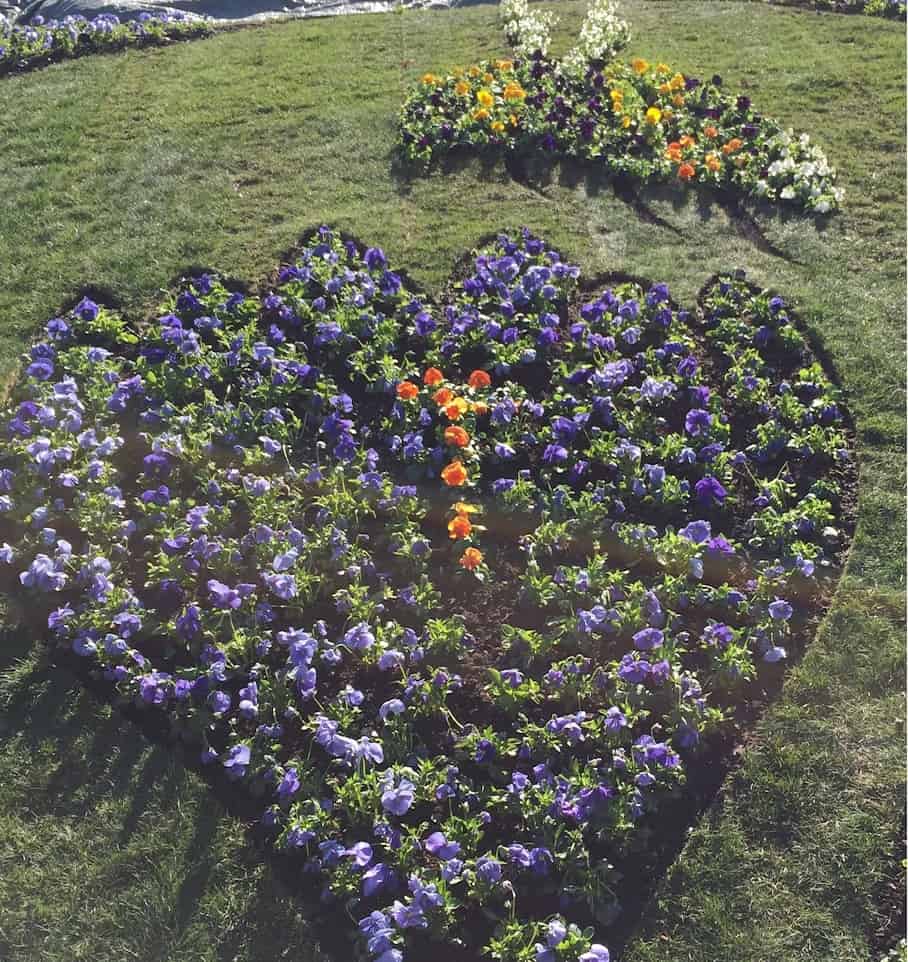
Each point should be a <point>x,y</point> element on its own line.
<point>458,590</point>
<point>889,9</point>
<point>638,119</point>
<point>23,46</point>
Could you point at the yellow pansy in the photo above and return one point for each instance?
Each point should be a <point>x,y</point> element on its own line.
<point>429,79</point>
<point>474,71</point>
<point>665,88</point>
<point>514,92</point>
<point>505,66</point>
<point>640,65</point>
<point>653,116</point>
<point>625,121</point>
<point>677,81</point>
<point>480,114</point>
<point>497,126</point>
<point>663,68</point>
<point>484,97</point>
<point>678,100</point>
<point>462,88</point>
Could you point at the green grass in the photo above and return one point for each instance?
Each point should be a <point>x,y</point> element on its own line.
<point>122,171</point>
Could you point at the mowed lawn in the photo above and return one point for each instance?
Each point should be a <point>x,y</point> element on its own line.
<point>122,171</point>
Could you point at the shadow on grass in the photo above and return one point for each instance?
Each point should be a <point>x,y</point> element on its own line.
<point>539,172</point>
<point>103,755</point>
<point>90,760</point>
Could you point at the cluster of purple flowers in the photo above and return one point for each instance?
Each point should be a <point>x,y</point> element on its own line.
<point>221,517</point>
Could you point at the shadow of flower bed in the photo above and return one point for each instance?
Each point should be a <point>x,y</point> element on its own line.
<point>464,602</point>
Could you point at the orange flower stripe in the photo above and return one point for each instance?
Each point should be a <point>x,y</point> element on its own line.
<point>432,377</point>
<point>471,559</point>
<point>479,379</point>
<point>407,390</point>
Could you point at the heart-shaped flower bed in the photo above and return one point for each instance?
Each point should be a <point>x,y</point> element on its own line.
<point>460,591</point>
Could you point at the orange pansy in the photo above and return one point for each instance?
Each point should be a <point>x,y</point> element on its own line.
<point>686,172</point>
<point>454,474</point>
<point>456,436</point>
<point>460,527</point>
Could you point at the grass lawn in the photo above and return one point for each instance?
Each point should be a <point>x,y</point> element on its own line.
<point>122,171</point>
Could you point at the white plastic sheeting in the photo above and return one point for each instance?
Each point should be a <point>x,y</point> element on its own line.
<point>224,10</point>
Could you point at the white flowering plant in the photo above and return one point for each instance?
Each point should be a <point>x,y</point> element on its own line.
<point>527,31</point>
<point>602,37</point>
<point>603,34</point>
<point>798,172</point>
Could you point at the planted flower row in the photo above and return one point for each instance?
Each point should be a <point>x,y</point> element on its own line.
<point>459,589</point>
<point>41,41</point>
<point>643,120</point>
<point>889,9</point>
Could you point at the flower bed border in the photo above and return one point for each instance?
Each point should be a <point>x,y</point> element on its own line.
<point>190,31</point>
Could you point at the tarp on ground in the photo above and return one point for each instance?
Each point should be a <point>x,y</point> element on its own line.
<point>216,9</point>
